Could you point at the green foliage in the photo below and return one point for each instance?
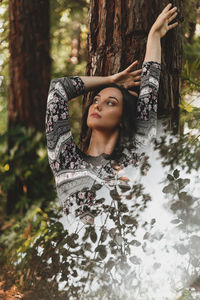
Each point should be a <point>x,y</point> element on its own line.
<point>183,151</point>
<point>190,76</point>
<point>190,86</point>
<point>23,158</point>
<point>75,116</point>
<point>186,210</point>
<point>37,244</point>
<point>45,255</point>
<point>17,239</point>
<point>192,50</point>
<point>191,72</point>
<point>189,14</point>
<point>190,90</point>
<point>68,21</point>
<point>189,294</point>
<point>20,244</point>
<point>52,263</point>
<point>191,62</point>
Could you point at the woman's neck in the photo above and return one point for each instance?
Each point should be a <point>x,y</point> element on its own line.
<point>101,142</point>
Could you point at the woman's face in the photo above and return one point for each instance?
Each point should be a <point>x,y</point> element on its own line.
<point>106,110</point>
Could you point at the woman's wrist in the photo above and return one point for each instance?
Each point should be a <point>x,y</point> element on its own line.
<point>153,48</point>
<point>154,34</point>
<point>112,79</point>
<point>93,82</point>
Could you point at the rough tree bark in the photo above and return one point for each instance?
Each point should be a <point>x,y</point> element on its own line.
<point>118,33</point>
<point>29,62</point>
<point>29,73</point>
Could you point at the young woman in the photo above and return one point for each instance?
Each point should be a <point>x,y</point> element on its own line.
<point>111,119</point>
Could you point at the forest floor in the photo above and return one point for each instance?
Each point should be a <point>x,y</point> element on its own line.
<point>8,290</point>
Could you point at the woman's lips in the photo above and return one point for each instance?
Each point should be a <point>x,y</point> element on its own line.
<point>95,115</point>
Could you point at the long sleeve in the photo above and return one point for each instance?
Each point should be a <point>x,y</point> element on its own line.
<point>62,150</point>
<point>148,102</point>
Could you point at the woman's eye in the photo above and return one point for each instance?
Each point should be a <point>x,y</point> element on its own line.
<point>95,101</point>
<point>110,103</point>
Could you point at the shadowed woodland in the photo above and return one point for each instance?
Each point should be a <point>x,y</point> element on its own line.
<point>144,240</point>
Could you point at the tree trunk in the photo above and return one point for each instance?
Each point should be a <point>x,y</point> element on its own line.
<point>29,76</point>
<point>29,62</point>
<point>118,33</point>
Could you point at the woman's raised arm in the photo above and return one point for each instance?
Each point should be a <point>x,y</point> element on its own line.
<point>158,30</point>
<point>148,99</point>
<point>129,77</point>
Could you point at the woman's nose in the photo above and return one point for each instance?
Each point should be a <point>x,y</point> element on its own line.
<point>98,106</point>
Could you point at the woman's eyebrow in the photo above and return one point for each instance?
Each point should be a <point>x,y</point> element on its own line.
<point>111,97</point>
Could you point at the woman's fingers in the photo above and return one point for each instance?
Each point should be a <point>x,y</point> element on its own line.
<point>132,66</point>
<point>172,17</point>
<point>137,83</point>
<point>166,9</point>
<point>171,12</point>
<point>132,84</point>
<point>137,72</point>
<point>136,75</point>
<point>137,78</point>
<point>133,93</point>
<point>173,25</point>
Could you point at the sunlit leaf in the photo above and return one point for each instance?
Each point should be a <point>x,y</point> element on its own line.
<point>135,260</point>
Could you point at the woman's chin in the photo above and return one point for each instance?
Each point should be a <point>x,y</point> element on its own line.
<point>93,124</point>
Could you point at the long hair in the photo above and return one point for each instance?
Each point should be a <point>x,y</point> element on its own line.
<point>129,115</point>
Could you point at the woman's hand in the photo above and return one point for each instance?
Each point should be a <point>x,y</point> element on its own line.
<point>128,78</point>
<point>161,25</point>
<point>159,30</point>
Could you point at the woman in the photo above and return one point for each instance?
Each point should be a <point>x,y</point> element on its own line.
<point>105,126</point>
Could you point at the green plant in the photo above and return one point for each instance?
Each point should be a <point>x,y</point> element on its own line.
<point>24,169</point>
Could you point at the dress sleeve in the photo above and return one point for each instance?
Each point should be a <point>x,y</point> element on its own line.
<point>148,103</point>
<point>62,150</point>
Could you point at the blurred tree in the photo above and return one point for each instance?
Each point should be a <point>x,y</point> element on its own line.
<point>118,33</point>
<point>29,82</point>
<point>29,75</point>
<point>190,12</point>
<point>68,37</point>
<point>29,62</point>
<point>69,47</point>
<point>4,66</point>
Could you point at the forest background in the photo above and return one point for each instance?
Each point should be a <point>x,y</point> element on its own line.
<point>27,190</point>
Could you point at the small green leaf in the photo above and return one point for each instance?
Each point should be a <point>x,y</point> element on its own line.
<point>104,235</point>
<point>102,251</point>
<point>93,236</point>
<point>169,189</point>
<point>135,243</point>
<point>170,177</point>
<point>176,173</point>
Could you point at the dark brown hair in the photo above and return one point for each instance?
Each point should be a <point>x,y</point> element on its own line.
<point>129,116</point>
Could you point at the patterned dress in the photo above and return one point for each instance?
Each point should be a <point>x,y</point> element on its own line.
<point>77,175</point>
